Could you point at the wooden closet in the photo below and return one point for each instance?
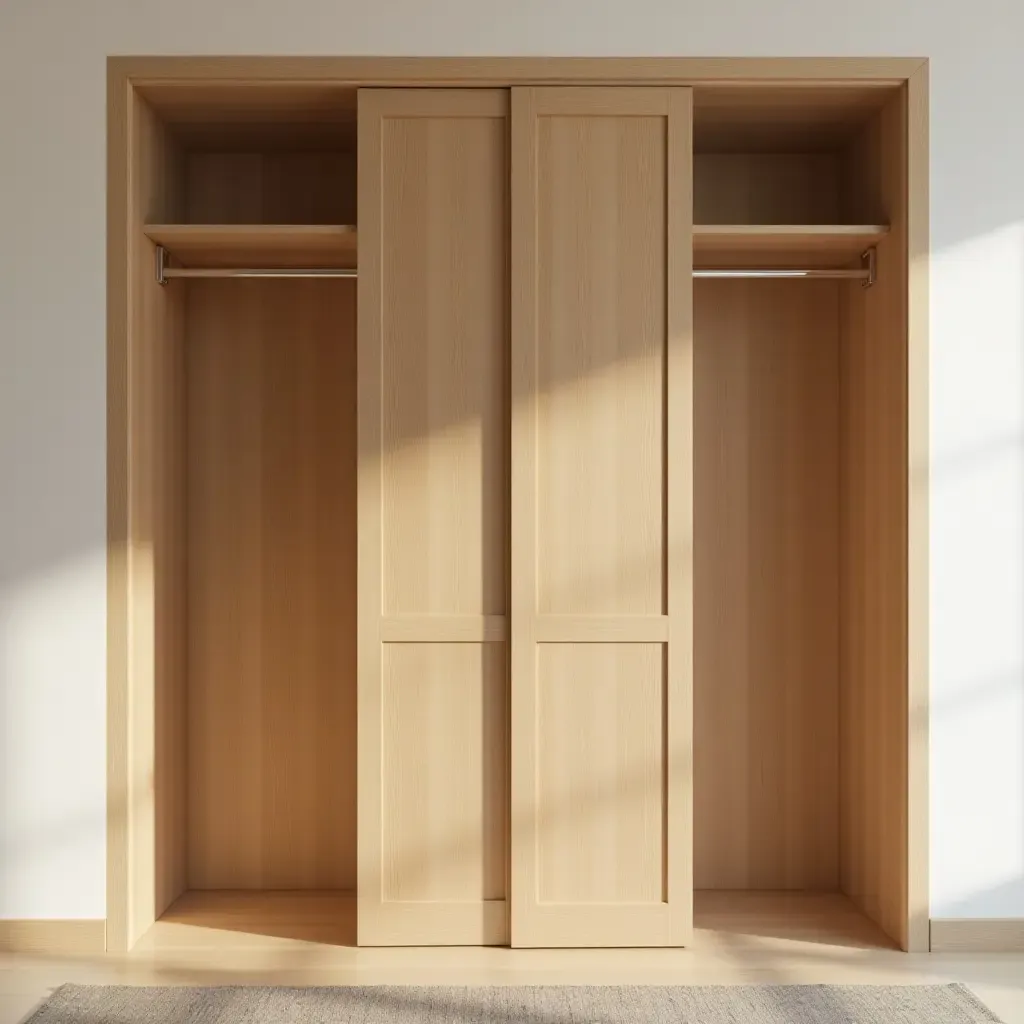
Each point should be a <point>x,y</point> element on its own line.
<point>520,516</point>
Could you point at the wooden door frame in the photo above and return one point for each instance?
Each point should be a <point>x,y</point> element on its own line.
<point>128,747</point>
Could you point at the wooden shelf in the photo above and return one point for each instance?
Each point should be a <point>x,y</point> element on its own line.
<point>770,245</point>
<point>257,245</point>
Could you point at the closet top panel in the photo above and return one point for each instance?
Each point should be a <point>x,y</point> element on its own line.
<point>760,118</point>
<point>264,116</point>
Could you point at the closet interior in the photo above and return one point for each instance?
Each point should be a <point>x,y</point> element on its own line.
<point>800,391</point>
<point>255,441</point>
<point>247,404</point>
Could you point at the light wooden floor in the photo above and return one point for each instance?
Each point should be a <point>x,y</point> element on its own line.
<point>230,938</point>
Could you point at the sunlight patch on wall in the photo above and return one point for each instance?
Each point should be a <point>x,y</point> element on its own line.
<point>977,580</point>
<point>52,708</point>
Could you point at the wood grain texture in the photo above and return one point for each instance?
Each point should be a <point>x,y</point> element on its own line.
<point>157,375</point>
<point>766,572</point>
<point>444,351</point>
<point>337,134</point>
<point>272,187</point>
<point>433,534</point>
<point>783,118</point>
<point>457,628</point>
<point>120,231</point>
<point>257,116</point>
<point>250,102</point>
<point>601,514</point>
<point>257,245</point>
<point>212,920</point>
<point>876,719</point>
<point>725,922</point>
<point>271,539</point>
<point>152,523</point>
<point>445,772</point>
<point>165,403</point>
<point>977,935</point>
<point>601,804</point>
<point>53,937</point>
<point>603,629</point>
<point>918,498</point>
<point>766,188</point>
<point>600,365</point>
<point>213,72</point>
<point>792,245</point>
<point>734,932</point>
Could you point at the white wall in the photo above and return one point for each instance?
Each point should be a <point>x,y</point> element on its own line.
<point>52,444</point>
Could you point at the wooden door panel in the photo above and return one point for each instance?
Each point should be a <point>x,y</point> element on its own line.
<point>601,517</point>
<point>444,802</point>
<point>433,519</point>
<point>600,773</point>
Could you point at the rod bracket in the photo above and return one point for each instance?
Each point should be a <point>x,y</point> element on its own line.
<point>161,265</point>
<point>869,260</point>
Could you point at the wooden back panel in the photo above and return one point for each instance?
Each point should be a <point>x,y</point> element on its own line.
<point>766,188</point>
<point>766,740</point>
<point>274,187</point>
<point>271,584</point>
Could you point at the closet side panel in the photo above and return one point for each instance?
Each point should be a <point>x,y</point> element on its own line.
<point>601,512</point>
<point>271,584</point>
<point>876,720</point>
<point>156,785</point>
<point>766,575</point>
<point>433,521</point>
<point>165,355</point>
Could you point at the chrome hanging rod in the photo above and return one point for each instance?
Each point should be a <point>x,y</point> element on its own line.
<point>865,274</point>
<point>835,275</point>
<point>164,273</point>
<point>170,272</point>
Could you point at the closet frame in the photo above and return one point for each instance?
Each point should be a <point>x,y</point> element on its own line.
<point>133,487</point>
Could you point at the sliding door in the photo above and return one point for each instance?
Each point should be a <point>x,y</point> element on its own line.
<point>433,516</point>
<point>601,569</point>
